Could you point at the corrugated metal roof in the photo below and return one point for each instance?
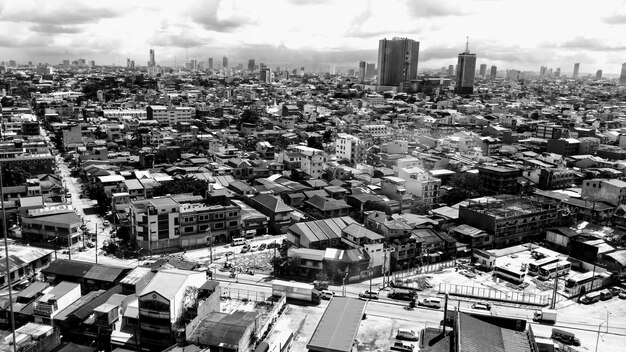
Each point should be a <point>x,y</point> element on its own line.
<point>105,273</point>
<point>63,267</point>
<point>339,325</point>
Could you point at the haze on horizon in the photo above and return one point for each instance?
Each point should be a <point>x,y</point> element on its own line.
<point>515,34</point>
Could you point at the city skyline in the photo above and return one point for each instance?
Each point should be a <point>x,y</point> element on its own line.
<point>511,34</point>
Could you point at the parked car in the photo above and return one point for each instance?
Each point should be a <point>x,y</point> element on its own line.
<point>402,346</point>
<point>430,302</point>
<point>481,305</point>
<point>106,223</point>
<point>406,334</point>
<point>245,248</point>
<point>368,295</point>
<point>622,295</point>
<point>254,248</point>
<point>327,294</point>
<point>262,246</point>
<point>565,336</point>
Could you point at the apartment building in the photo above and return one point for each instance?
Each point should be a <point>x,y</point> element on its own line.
<point>163,301</point>
<point>604,190</point>
<point>170,115</point>
<point>420,184</point>
<point>59,224</point>
<point>54,300</point>
<point>163,224</point>
<point>395,188</point>
<point>350,147</point>
<point>499,180</point>
<point>116,114</point>
<point>510,219</point>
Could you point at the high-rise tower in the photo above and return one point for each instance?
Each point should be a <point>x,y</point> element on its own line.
<point>362,66</point>
<point>622,76</point>
<point>494,71</point>
<point>225,62</point>
<point>152,62</point>
<point>251,65</point>
<point>210,63</point>
<point>397,61</point>
<point>465,71</point>
<point>576,70</point>
<point>483,70</point>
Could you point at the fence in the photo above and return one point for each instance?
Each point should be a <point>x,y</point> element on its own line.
<point>494,295</point>
<point>424,269</point>
<point>238,293</point>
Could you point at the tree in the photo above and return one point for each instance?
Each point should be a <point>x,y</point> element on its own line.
<point>380,206</point>
<point>315,142</point>
<point>464,186</point>
<point>420,207</point>
<point>183,184</point>
<point>14,176</point>
<point>97,193</point>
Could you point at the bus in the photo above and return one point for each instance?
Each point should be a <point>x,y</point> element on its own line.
<point>515,276</point>
<point>553,270</point>
<point>533,268</point>
<point>585,282</point>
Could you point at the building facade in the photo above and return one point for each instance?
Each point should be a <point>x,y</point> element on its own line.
<point>397,61</point>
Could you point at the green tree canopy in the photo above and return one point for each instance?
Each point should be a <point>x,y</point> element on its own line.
<point>14,176</point>
<point>183,184</point>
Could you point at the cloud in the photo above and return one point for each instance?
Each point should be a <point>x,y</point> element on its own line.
<point>585,43</point>
<point>54,28</point>
<point>181,40</point>
<point>434,8</point>
<point>64,15</point>
<point>211,17</point>
<point>616,19</point>
<point>23,42</point>
<point>309,2</point>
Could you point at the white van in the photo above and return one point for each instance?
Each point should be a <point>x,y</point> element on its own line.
<point>431,302</point>
<point>406,334</point>
<point>238,241</point>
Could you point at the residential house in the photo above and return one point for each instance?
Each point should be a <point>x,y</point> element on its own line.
<point>274,208</point>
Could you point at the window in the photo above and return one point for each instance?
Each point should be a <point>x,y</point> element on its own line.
<point>218,225</point>
<point>233,223</point>
<point>188,229</point>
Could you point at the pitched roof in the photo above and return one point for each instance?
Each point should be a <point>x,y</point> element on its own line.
<point>339,325</point>
<point>478,336</point>
<point>326,204</point>
<point>272,203</point>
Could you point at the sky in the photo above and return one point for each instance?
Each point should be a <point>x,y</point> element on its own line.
<point>511,34</point>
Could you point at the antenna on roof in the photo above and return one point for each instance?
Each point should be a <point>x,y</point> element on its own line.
<point>467,45</point>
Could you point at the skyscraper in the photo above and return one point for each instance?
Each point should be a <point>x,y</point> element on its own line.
<point>557,73</point>
<point>397,61</point>
<point>265,75</point>
<point>210,63</point>
<point>576,69</point>
<point>370,70</point>
<point>451,70</point>
<point>494,71</point>
<point>622,76</point>
<point>225,62</point>
<point>152,62</point>
<point>483,70</point>
<point>251,65</point>
<point>599,74</point>
<point>362,65</point>
<point>466,69</point>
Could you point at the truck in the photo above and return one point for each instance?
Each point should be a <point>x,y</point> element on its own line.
<point>402,294</point>
<point>296,291</point>
<point>545,316</point>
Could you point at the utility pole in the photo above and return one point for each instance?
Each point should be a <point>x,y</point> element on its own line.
<point>556,285</point>
<point>96,243</point>
<point>69,246</point>
<point>6,253</point>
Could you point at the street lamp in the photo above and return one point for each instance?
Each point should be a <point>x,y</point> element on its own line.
<point>598,338</point>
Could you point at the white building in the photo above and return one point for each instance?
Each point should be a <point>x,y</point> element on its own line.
<point>170,115</point>
<point>350,147</point>
<point>419,183</point>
